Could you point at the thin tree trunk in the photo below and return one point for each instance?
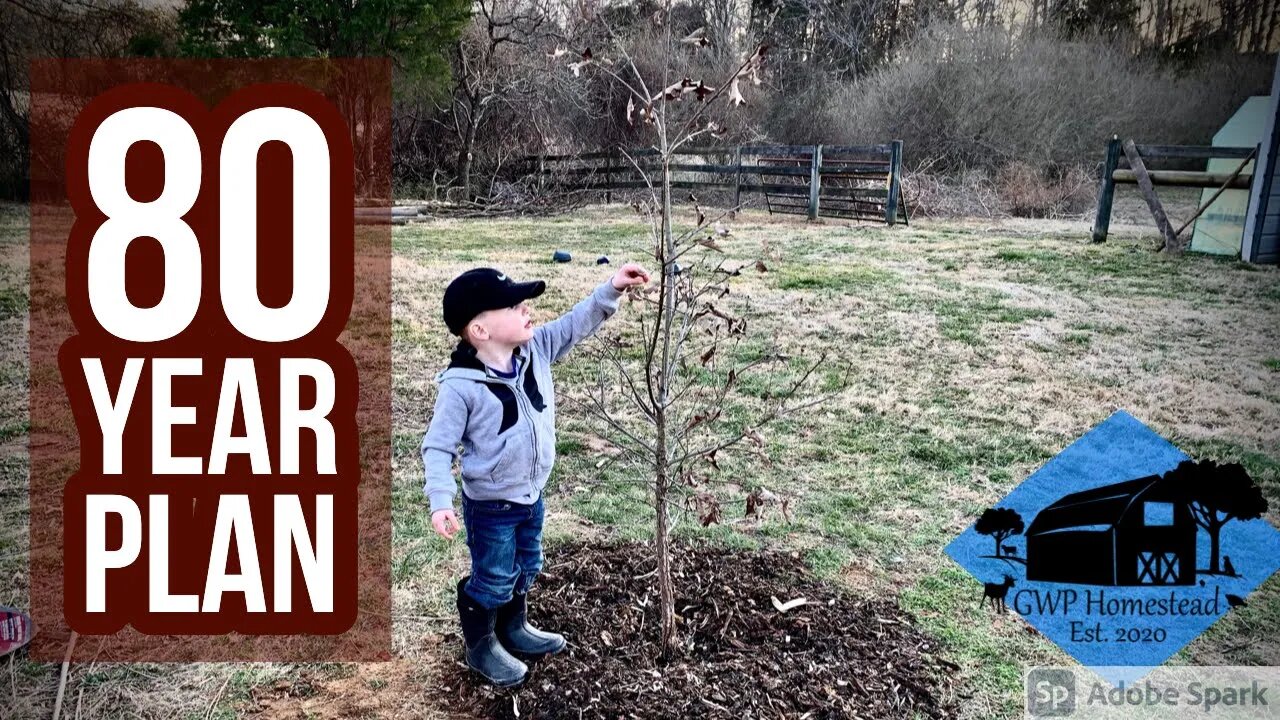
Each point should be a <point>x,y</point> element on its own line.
<point>1271,22</point>
<point>666,593</point>
<point>468,145</point>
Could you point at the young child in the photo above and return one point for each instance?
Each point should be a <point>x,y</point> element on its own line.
<point>496,399</point>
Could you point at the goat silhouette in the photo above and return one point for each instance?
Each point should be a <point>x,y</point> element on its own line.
<point>996,592</point>
<point>1010,550</point>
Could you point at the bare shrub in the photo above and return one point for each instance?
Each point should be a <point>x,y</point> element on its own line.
<point>971,98</point>
<point>1027,190</point>
<point>1019,189</point>
<point>966,193</point>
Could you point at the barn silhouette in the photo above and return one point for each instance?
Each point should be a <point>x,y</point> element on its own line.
<point>1136,532</point>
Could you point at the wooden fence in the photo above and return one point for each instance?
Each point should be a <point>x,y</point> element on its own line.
<point>1126,162</point>
<point>863,182</point>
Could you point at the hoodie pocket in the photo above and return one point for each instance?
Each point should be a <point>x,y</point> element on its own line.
<point>503,466</point>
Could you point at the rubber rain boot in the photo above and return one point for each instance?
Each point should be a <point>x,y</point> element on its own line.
<point>518,636</point>
<point>485,654</point>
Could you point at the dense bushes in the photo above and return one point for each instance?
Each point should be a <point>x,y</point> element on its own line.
<point>993,126</point>
<point>974,100</point>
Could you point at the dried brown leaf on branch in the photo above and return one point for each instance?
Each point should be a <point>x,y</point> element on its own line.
<point>586,60</point>
<point>710,457</point>
<point>670,92</point>
<point>711,244</point>
<point>761,497</point>
<point>735,326</point>
<point>735,93</point>
<point>695,421</point>
<point>753,64</point>
<point>708,508</point>
<point>697,38</point>
<point>715,311</point>
<point>706,356</point>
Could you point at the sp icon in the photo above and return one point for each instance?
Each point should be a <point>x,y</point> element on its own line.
<point>1051,692</point>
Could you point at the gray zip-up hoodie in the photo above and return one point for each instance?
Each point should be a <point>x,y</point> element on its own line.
<point>506,426</point>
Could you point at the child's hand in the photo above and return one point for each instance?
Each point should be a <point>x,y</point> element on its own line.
<point>629,275</point>
<point>445,522</point>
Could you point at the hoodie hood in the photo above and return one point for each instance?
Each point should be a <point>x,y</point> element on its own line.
<point>465,365</point>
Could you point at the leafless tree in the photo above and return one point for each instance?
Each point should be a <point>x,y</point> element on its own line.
<point>650,398</point>
<point>491,65</point>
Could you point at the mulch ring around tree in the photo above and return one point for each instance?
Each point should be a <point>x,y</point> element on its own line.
<point>835,656</point>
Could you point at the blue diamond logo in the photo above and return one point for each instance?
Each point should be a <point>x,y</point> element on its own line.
<point>1122,548</point>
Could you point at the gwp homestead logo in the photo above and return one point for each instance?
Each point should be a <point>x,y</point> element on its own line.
<point>1122,549</point>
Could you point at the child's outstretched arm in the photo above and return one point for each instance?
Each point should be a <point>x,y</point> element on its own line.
<point>560,335</point>
<point>439,447</point>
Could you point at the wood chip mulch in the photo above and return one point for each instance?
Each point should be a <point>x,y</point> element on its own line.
<point>835,656</point>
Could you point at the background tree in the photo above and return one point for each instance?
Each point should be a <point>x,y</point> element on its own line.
<point>415,34</point>
<point>33,29</point>
<point>999,523</point>
<point>492,65</point>
<point>1216,495</point>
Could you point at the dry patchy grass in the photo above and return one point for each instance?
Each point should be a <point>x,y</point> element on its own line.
<point>979,349</point>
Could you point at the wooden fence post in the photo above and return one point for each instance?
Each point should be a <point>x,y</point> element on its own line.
<point>1148,190</point>
<point>737,178</point>
<point>1107,190</point>
<point>608,177</point>
<point>895,174</point>
<point>542,171</point>
<point>815,181</point>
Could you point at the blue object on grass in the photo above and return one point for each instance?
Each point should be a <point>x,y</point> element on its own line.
<point>602,260</point>
<point>561,256</point>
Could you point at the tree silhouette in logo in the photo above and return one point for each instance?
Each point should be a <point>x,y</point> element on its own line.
<point>1216,495</point>
<point>999,523</point>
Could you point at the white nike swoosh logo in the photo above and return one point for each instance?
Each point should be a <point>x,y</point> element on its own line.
<point>502,277</point>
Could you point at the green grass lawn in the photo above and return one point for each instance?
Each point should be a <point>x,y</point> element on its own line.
<point>977,350</point>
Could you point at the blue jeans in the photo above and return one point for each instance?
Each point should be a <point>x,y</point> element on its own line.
<point>505,539</point>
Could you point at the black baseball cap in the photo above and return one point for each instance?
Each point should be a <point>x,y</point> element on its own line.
<point>481,289</point>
